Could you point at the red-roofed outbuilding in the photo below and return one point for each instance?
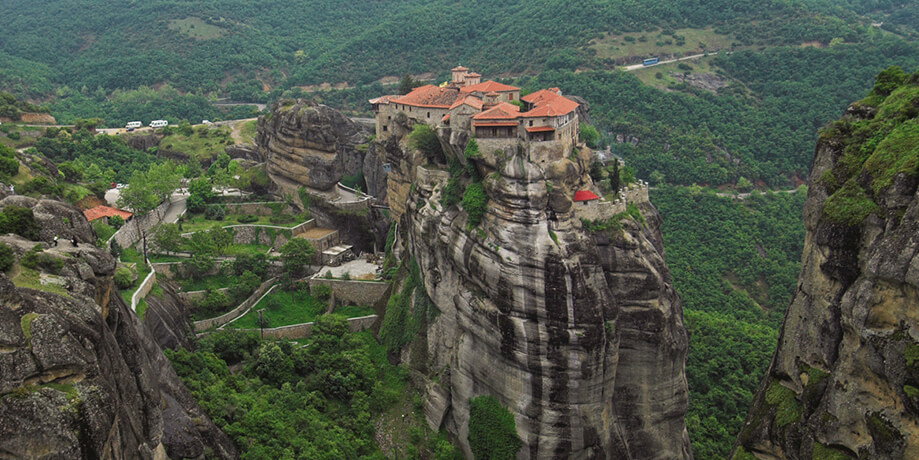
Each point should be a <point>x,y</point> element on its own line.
<point>585,195</point>
<point>105,211</point>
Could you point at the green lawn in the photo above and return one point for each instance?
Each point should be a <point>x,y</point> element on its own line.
<point>29,278</point>
<point>353,311</point>
<point>197,222</point>
<point>207,282</point>
<point>243,249</point>
<point>283,309</point>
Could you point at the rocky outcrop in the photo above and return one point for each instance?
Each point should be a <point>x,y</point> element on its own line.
<point>844,380</point>
<point>168,318</point>
<point>143,142</point>
<point>311,145</point>
<point>80,376</point>
<point>245,152</point>
<point>578,333</point>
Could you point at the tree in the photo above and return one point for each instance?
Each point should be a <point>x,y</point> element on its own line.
<point>138,198</point>
<point>168,237</point>
<point>193,168</point>
<point>614,181</point>
<point>221,237</point>
<point>589,135</point>
<point>163,180</point>
<point>296,254</point>
<point>744,184</point>
<point>424,139</point>
<point>407,84</point>
<point>6,257</point>
<point>202,243</point>
<point>273,365</point>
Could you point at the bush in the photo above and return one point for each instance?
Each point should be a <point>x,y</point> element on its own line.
<point>6,257</point>
<point>475,202</point>
<point>215,212</point>
<point>124,278</point>
<point>14,135</point>
<point>244,286</point>
<point>36,259</point>
<point>116,221</point>
<point>247,219</point>
<point>195,204</point>
<point>322,292</point>
<point>589,135</point>
<point>21,221</point>
<point>9,167</point>
<point>492,431</point>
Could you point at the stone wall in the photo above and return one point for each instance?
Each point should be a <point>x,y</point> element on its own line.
<point>303,330</point>
<point>194,296</point>
<point>598,210</point>
<point>352,292</point>
<point>259,209</point>
<point>129,233</point>
<point>225,318</point>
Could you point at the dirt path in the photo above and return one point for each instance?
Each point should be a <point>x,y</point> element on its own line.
<point>237,131</point>
<point>632,67</point>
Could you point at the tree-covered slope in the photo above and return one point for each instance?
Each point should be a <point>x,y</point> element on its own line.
<point>197,45</point>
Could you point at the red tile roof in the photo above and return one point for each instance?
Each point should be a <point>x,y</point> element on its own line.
<point>502,111</point>
<point>445,118</point>
<point>471,101</point>
<point>585,195</point>
<point>429,96</point>
<point>512,124</point>
<point>548,103</point>
<point>384,99</point>
<point>488,86</point>
<point>473,74</point>
<point>540,129</point>
<point>104,211</point>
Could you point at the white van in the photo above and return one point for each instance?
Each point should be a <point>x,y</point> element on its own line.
<point>158,123</point>
<point>133,124</point>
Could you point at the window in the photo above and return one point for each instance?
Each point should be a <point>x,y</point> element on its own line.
<point>531,122</point>
<point>385,128</point>
<point>429,114</point>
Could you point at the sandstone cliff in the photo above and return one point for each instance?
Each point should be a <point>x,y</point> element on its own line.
<point>844,380</point>
<point>80,375</point>
<point>309,145</point>
<point>578,333</point>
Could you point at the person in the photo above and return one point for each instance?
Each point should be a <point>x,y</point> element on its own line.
<point>55,240</point>
<point>74,241</point>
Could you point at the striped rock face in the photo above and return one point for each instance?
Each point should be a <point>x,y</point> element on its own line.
<point>578,333</point>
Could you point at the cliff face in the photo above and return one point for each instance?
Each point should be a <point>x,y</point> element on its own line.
<point>309,145</point>
<point>579,334</point>
<point>80,375</point>
<point>844,379</point>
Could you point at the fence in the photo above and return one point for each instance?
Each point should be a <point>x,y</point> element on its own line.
<point>144,287</point>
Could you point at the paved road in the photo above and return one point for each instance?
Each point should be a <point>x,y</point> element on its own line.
<point>632,67</point>
<point>745,195</point>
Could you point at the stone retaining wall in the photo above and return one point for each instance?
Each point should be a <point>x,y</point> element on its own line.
<point>303,330</point>
<point>129,233</point>
<point>193,296</point>
<point>352,292</point>
<point>598,210</point>
<point>225,318</point>
<point>265,208</point>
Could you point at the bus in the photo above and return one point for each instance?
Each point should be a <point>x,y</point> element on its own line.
<point>650,61</point>
<point>158,123</point>
<point>133,124</point>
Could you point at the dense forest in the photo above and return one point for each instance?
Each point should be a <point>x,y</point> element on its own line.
<point>735,264</point>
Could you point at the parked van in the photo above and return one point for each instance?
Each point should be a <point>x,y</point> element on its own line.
<point>133,124</point>
<point>158,123</point>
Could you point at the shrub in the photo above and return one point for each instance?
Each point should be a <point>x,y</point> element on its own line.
<point>247,219</point>
<point>116,221</point>
<point>21,221</point>
<point>6,257</point>
<point>36,259</point>
<point>492,431</point>
<point>124,278</point>
<point>246,284</point>
<point>424,139</point>
<point>589,135</point>
<point>322,292</point>
<point>195,204</point>
<point>212,303</point>
<point>215,212</point>
<point>14,135</point>
<point>9,167</point>
<point>474,202</point>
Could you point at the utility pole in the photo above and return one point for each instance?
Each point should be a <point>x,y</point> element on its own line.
<point>261,325</point>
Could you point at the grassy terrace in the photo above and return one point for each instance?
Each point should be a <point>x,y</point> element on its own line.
<point>197,223</point>
<point>31,279</point>
<point>656,43</point>
<point>207,282</point>
<point>283,309</point>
